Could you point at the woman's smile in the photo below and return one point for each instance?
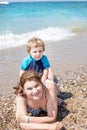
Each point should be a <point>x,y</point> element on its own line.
<point>36,93</point>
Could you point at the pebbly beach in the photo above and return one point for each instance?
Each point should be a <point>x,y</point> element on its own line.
<point>68,59</point>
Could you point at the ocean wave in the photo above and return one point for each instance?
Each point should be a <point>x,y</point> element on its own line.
<point>8,39</point>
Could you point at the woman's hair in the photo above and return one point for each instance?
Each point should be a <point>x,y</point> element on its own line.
<point>35,42</point>
<point>26,76</point>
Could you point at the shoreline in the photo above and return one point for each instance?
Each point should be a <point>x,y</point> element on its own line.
<point>65,55</point>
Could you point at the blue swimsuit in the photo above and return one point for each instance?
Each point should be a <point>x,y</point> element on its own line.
<point>29,63</point>
<point>34,112</point>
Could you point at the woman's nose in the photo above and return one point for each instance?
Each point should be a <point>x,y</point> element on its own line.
<point>34,90</point>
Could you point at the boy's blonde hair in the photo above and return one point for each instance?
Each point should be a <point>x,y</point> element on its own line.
<point>35,42</point>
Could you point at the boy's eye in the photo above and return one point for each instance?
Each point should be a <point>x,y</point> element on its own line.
<point>40,51</point>
<point>37,51</point>
<point>34,51</point>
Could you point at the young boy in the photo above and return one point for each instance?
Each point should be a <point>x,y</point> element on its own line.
<point>37,61</point>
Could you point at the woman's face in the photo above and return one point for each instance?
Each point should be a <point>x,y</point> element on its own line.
<point>33,89</point>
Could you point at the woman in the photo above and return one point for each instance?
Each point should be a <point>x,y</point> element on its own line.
<point>33,97</point>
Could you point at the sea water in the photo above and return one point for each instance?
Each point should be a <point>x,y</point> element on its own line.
<point>50,21</point>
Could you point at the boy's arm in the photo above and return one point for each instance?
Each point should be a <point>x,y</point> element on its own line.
<point>46,66</point>
<point>47,74</point>
<point>44,76</point>
<point>50,74</point>
<point>21,72</point>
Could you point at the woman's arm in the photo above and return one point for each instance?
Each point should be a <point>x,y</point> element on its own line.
<point>52,102</point>
<point>22,115</point>
<point>21,112</point>
<point>41,126</point>
<point>39,123</point>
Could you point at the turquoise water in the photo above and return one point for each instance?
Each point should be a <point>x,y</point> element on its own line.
<point>50,21</point>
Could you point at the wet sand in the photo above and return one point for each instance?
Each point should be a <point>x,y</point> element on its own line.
<point>64,56</point>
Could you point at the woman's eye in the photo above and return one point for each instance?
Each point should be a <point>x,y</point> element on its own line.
<point>36,86</point>
<point>29,88</point>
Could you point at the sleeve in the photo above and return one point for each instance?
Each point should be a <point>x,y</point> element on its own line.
<point>45,62</point>
<point>25,63</point>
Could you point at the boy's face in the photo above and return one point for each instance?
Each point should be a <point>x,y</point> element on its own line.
<point>36,53</point>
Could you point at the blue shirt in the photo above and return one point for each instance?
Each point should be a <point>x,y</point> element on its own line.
<point>29,63</point>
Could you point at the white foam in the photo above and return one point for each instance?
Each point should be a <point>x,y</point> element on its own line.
<point>9,39</point>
